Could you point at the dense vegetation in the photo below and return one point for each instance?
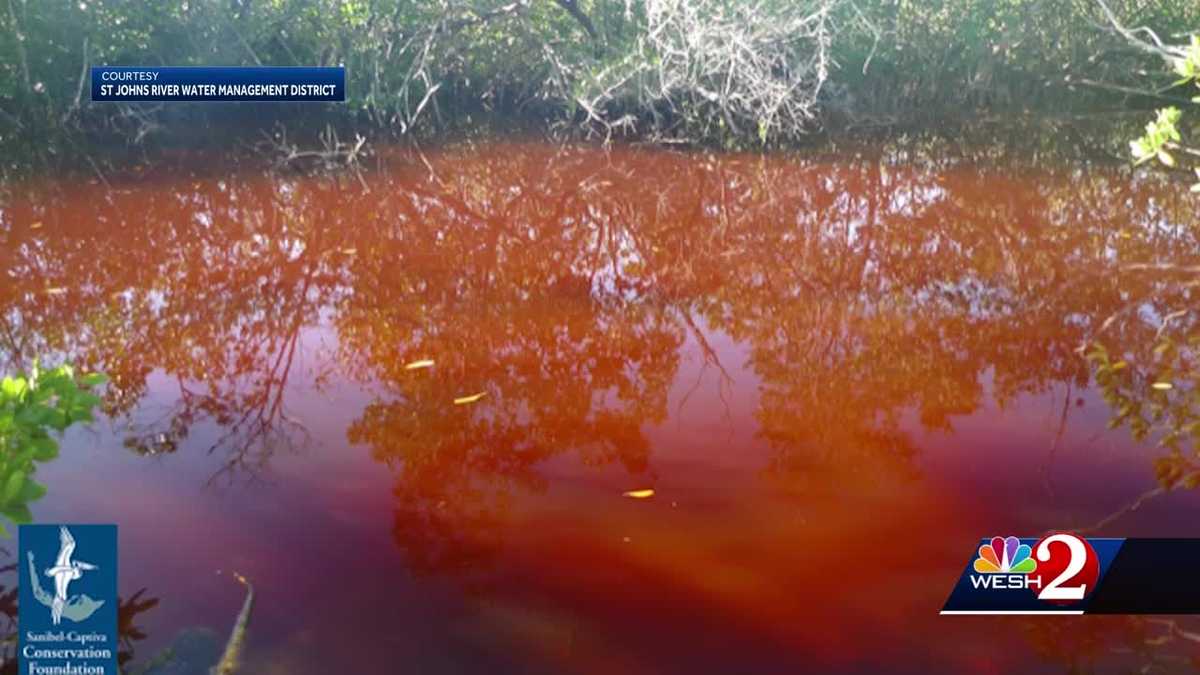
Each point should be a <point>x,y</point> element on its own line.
<point>751,71</point>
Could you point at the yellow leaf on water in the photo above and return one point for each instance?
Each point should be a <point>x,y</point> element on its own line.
<point>349,251</point>
<point>1162,386</point>
<point>55,291</point>
<point>463,400</point>
<point>640,494</point>
<point>35,226</point>
<point>1119,365</point>
<point>423,363</point>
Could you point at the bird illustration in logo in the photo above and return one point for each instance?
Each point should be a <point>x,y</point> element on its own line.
<point>64,572</point>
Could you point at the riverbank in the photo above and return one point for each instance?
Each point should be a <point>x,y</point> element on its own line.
<point>714,73</point>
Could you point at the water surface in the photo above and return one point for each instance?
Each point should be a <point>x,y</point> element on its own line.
<point>836,374</point>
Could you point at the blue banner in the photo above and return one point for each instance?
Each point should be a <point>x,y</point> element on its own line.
<point>67,603</point>
<point>1063,573</point>
<point>1056,574</point>
<point>254,83</point>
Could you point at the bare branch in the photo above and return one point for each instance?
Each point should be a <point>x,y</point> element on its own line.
<point>1156,47</point>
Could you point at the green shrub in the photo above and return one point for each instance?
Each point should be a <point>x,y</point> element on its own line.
<point>30,409</point>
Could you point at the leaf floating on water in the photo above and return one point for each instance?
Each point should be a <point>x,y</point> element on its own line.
<point>423,363</point>
<point>640,494</point>
<point>463,400</point>
<point>36,226</point>
<point>55,291</point>
<point>349,251</point>
<point>1119,365</point>
<point>1162,386</point>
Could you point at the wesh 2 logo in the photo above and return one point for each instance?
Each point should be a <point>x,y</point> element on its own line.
<point>1063,573</point>
<point>1059,568</point>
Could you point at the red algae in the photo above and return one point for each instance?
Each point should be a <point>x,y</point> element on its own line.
<point>413,410</point>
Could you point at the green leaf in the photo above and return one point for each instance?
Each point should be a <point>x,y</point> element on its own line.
<point>44,449</point>
<point>82,415</point>
<point>31,491</point>
<point>93,379</point>
<point>12,486</point>
<point>13,387</point>
<point>57,420</point>
<point>18,513</point>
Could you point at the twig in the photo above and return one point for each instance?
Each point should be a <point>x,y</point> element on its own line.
<point>1131,507</point>
<point>19,39</point>
<point>79,91</point>
<point>1166,52</point>
<point>1132,91</point>
<point>231,657</point>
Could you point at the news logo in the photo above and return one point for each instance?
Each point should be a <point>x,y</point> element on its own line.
<point>1066,568</point>
<point>1004,556</point>
<point>1066,573</point>
<point>1054,574</point>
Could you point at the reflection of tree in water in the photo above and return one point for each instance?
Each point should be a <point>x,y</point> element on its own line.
<point>1114,643</point>
<point>209,283</point>
<point>564,285</point>
<point>504,292</point>
<point>1146,363</point>
<point>865,292</point>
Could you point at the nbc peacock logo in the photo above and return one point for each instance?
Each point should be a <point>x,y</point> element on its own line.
<point>1005,563</point>
<point>1005,555</point>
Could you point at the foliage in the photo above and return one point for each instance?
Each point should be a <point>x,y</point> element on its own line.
<point>30,408</point>
<point>1162,140</point>
<point>1005,56</point>
<point>1153,384</point>
<point>1157,394</point>
<point>752,70</point>
<point>719,68</point>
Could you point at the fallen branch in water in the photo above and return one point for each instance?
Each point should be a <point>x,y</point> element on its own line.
<point>333,155</point>
<point>233,649</point>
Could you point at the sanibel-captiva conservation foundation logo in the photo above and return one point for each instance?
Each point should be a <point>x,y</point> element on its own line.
<point>67,613</point>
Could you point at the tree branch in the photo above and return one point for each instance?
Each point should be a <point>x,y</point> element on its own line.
<point>572,8</point>
<point>1156,47</point>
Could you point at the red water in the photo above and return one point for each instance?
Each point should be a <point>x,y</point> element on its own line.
<point>836,375</point>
